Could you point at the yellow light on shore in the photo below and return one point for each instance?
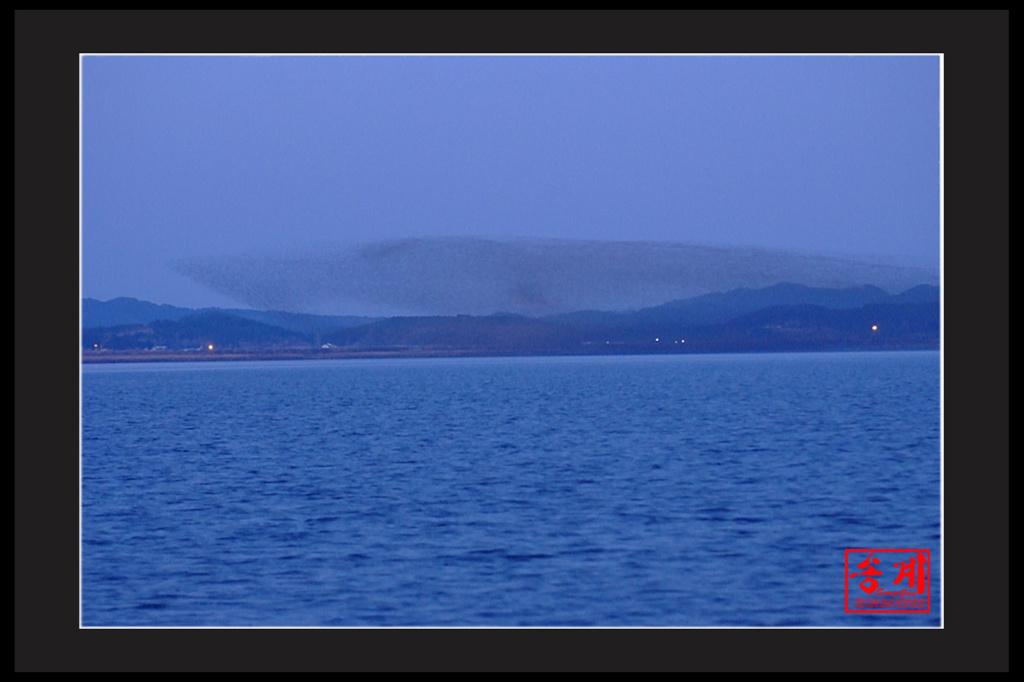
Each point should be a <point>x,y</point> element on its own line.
<point>874,327</point>
<point>209,347</point>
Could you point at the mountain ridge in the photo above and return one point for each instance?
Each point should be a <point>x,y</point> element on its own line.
<point>780,317</point>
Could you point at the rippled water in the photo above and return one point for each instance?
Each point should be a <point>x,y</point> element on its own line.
<point>618,491</point>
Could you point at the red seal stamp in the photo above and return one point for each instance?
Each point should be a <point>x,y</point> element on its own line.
<point>888,581</point>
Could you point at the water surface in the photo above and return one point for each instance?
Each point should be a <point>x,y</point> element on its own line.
<point>585,491</point>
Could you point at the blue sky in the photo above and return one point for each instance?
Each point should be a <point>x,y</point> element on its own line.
<point>226,159</point>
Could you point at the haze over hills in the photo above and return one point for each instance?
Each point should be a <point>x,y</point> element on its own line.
<point>535,277</point>
<point>782,317</point>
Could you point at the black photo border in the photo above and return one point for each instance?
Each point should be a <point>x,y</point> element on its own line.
<point>975,45</point>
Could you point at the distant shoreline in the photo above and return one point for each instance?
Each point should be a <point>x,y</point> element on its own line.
<point>133,356</point>
<point>120,356</point>
<point>125,356</point>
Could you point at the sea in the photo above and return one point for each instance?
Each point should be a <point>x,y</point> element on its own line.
<point>602,491</point>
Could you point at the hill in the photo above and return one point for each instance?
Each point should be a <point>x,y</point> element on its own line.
<point>785,317</point>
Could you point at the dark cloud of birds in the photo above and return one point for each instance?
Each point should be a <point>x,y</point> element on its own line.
<point>448,276</point>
